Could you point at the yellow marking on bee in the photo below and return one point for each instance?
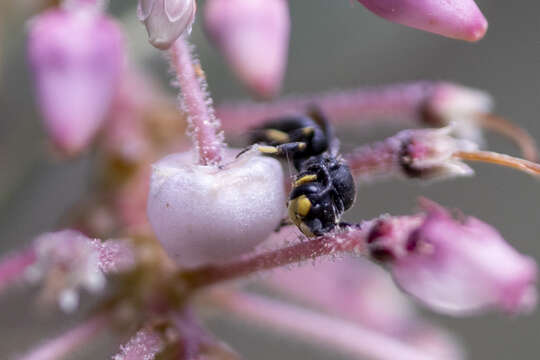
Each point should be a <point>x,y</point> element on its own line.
<point>277,136</point>
<point>299,207</point>
<point>302,146</point>
<point>307,131</point>
<point>268,149</point>
<point>305,179</point>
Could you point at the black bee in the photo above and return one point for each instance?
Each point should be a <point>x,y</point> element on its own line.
<point>324,187</point>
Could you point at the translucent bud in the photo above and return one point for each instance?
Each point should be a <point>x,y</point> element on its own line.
<point>459,19</point>
<point>238,28</point>
<point>204,214</point>
<point>77,58</point>
<point>166,20</point>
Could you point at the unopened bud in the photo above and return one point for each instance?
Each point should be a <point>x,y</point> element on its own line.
<point>453,266</point>
<point>205,214</point>
<point>166,20</point>
<point>458,19</point>
<point>77,57</point>
<point>253,36</point>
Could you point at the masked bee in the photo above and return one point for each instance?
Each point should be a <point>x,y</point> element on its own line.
<point>324,187</point>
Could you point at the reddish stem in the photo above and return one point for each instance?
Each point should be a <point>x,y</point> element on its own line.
<point>349,240</point>
<point>401,104</point>
<point>378,159</point>
<point>203,123</point>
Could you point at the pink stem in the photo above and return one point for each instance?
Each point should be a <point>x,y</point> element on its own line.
<point>380,158</point>
<point>13,266</point>
<point>402,104</point>
<point>65,344</point>
<point>197,103</point>
<point>142,346</point>
<point>314,327</point>
<point>350,240</point>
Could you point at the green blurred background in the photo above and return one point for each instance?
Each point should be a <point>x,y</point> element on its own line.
<point>334,45</point>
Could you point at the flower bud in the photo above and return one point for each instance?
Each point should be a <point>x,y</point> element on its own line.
<point>458,106</point>
<point>239,28</point>
<point>459,19</point>
<point>166,20</point>
<point>77,58</point>
<point>455,267</point>
<point>204,214</point>
<point>429,154</point>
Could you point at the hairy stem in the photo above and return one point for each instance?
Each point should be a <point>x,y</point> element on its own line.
<point>66,343</point>
<point>145,344</point>
<point>395,104</point>
<point>314,327</point>
<point>203,124</point>
<point>348,240</point>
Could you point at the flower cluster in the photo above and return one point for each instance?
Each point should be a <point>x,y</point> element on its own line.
<point>175,231</point>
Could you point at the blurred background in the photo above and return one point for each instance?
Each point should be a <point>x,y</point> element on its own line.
<point>334,45</point>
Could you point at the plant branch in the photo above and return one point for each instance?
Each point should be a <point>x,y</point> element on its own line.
<point>203,124</point>
<point>349,338</point>
<point>66,343</point>
<point>349,240</point>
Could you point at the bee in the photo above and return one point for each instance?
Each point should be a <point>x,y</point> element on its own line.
<point>324,187</point>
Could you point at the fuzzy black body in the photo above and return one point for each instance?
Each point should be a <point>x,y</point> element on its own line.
<point>324,187</point>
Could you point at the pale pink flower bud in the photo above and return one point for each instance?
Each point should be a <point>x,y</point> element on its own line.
<point>166,20</point>
<point>205,214</point>
<point>455,267</point>
<point>459,19</point>
<point>76,57</point>
<point>253,36</point>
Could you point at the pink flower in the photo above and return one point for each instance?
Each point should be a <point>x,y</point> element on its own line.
<point>166,20</point>
<point>77,58</point>
<point>459,19</point>
<point>239,27</point>
<point>456,267</point>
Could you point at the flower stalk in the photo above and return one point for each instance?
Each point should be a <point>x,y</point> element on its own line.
<point>349,240</point>
<point>341,335</point>
<point>195,100</point>
<point>68,342</point>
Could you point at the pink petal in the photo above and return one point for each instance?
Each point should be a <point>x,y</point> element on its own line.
<point>459,19</point>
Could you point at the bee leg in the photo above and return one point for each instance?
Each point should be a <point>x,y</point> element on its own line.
<point>312,227</point>
<point>288,149</point>
<point>245,150</point>
<point>283,223</point>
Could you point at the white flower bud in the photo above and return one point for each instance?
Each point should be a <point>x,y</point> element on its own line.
<point>204,214</point>
<point>166,20</point>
